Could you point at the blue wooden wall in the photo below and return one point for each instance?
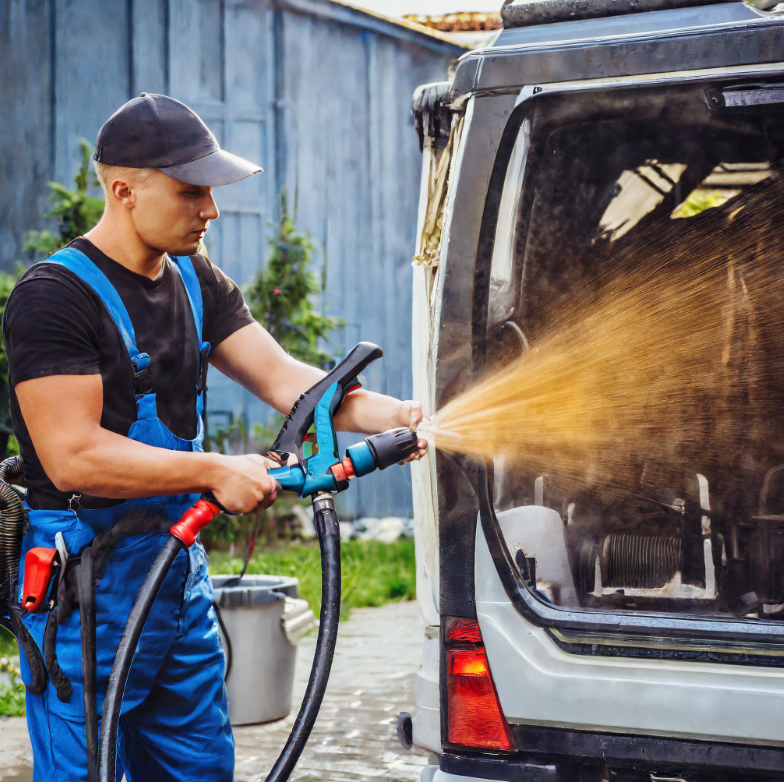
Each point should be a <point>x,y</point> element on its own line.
<point>316,92</point>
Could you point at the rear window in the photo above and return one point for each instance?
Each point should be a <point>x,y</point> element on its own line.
<point>599,186</point>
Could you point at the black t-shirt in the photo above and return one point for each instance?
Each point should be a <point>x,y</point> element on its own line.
<point>55,324</point>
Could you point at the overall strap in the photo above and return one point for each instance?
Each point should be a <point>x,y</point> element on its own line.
<point>88,272</point>
<point>184,266</point>
<point>78,263</point>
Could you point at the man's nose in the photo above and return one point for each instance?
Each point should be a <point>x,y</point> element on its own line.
<point>210,211</point>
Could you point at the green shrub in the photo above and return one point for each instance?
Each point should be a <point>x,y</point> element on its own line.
<point>280,296</point>
<point>12,697</point>
<point>8,444</point>
<point>75,209</point>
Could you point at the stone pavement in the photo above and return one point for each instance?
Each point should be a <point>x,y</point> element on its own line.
<point>376,659</point>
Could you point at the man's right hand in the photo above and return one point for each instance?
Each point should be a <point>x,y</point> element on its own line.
<point>243,486</point>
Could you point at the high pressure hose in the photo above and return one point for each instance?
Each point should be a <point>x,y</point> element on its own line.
<point>183,536</point>
<point>328,529</point>
<point>11,521</point>
<point>118,677</point>
<point>86,589</point>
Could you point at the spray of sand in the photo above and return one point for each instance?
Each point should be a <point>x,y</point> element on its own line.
<point>674,356</point>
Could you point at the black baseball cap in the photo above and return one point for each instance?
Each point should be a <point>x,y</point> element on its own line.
<point>156,131</point>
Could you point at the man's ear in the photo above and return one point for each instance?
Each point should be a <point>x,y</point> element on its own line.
<point>123,193</point>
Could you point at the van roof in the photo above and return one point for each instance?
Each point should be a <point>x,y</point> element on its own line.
<point>524,13</point>
<point>720,35</point>
<point>553,24</point>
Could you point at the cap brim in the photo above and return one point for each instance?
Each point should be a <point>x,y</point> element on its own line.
<point>213,170</point>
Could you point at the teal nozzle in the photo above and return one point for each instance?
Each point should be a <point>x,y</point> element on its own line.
<point>362,458</point>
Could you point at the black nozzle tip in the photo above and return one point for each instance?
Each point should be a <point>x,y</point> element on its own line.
<point>393,447</point>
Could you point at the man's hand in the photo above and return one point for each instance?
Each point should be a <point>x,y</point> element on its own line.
<point>410,414</point>
<point>243,485</point>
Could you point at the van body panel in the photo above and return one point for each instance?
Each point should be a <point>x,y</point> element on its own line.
<point>540,684</point>
<point>427,692</point>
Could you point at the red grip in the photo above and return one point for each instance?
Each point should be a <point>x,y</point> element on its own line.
<point>38,570</point>
<point>193,521</point>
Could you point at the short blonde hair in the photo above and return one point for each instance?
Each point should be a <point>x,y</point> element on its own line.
<point>108,174</point>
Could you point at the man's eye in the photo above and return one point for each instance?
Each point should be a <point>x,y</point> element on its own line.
<point>192,193</point>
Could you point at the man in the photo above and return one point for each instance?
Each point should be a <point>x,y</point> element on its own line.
<point>108,342</point>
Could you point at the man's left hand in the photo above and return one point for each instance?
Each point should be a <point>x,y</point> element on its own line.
<point>410,414</point>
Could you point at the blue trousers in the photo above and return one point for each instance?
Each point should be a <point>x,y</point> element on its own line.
<point>175,718</point>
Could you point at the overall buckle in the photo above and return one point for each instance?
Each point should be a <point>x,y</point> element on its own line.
<point>142,374</point>
<point>201,383</point>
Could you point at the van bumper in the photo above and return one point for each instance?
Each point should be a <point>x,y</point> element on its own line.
<point>461,768</point>
<point>566,757</point>
<point>444,776</point>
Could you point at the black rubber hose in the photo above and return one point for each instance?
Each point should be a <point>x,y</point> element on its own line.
<point>11,522</point>
<point>226,640</point>
<point>118,677</point>
<point>86,586</point>
<point>329,540</point>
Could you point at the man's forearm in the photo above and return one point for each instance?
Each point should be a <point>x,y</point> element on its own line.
<point>252,358</point>
<point>110,465</point>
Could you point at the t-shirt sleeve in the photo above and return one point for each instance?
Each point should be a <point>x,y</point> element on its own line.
<point>225,310</point>
<point>51,326</point>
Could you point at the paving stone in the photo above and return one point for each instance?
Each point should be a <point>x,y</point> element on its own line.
<point>354,739</point>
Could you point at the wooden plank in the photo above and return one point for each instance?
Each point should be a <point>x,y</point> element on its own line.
<point>26,132</point>
<point>150,47</point>
<point>196,50</point>
<point>92,74</point>
<point>344,13</point>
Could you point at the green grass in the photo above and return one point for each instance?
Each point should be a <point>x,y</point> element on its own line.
<point>12,698</point>
<point>373,573</point>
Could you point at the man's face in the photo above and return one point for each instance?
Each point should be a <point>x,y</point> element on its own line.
<point>171,216</point>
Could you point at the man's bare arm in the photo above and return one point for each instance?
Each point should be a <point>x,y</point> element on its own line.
<point>63,417</point>
<point>256,361</point>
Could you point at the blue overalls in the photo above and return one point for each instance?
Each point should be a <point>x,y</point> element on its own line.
<point>175,718</point>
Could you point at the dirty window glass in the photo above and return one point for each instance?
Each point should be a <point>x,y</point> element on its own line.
<point>704,533</point>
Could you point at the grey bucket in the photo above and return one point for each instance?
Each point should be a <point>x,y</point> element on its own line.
<point>261,621</point>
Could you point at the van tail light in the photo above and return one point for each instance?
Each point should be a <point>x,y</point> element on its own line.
<point>474,717</point>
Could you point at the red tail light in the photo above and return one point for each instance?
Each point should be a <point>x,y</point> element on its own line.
<point>473,712</point>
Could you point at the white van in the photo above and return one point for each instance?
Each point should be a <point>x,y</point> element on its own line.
<point>573,634</point>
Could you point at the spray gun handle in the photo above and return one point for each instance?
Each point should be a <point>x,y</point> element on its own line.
<point>302,415</point>
<point>208,496</point>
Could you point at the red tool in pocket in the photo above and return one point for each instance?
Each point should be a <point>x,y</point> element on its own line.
<point>38,570</point>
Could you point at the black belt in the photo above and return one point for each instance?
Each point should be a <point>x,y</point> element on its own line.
<point>39,500</point>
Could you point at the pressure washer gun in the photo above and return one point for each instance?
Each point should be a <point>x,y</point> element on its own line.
<point>319,477</point>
